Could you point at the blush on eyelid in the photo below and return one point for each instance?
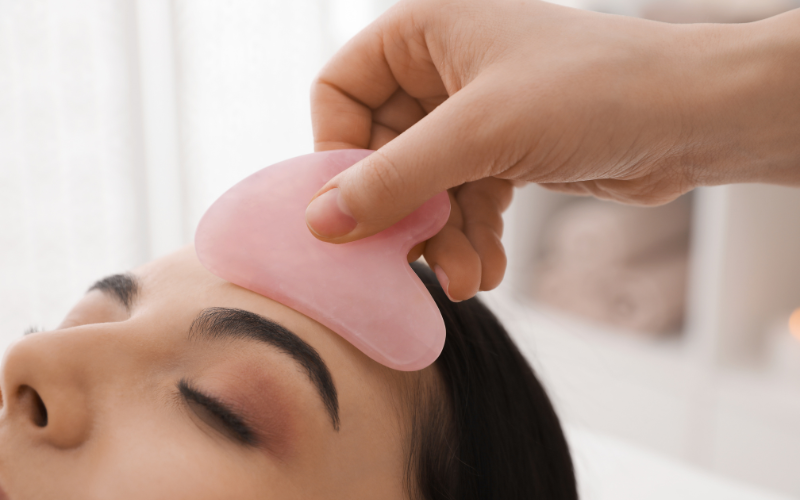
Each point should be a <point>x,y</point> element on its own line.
<point>263,397</point>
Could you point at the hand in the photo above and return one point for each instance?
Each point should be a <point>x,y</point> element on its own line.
<point>474,95</point>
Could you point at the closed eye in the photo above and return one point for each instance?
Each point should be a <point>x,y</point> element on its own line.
<point>217,414</point>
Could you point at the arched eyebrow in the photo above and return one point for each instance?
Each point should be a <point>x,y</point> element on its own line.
<point>124,287</point>
<point>223,323</point>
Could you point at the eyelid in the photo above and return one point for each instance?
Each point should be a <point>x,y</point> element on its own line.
<point>222,413</point>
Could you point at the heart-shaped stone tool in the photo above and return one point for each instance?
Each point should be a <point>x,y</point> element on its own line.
<point>255,236</point>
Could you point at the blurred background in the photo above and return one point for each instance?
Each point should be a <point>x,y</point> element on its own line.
<point>674,329</point>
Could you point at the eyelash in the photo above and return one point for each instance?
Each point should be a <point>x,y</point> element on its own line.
<point>31,330</point>
<point>220,412</point>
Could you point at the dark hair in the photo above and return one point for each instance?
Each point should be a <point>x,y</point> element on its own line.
<point>487,430</point>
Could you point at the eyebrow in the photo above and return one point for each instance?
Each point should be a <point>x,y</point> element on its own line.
<point>223,323</point>
<point>124,287</point>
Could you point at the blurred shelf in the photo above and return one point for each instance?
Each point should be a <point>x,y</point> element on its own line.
<point>707,394</point>
<point>744,263</point>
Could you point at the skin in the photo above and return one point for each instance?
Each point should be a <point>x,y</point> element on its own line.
<point>117,427</point>
<point>475,96</point>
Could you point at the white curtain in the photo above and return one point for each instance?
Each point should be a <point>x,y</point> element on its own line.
<point>71,188</point>
<point>122,120</point>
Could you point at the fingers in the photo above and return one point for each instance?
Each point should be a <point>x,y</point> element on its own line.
<point>468,254</point>
<point>338,121</point>
<point>486,197</point>
<point>341,105</point>
<point>380,136</point>
<point>450,253</point>
<point>452,145</point>
<point>482,204</point>
<point>393,118</point>
<point>399,112</point>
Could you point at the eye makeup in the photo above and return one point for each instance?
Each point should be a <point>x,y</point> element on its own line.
<point>266,391</point>
<point>217,414</point>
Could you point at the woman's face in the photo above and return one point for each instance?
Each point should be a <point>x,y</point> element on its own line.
<point>177,384</point>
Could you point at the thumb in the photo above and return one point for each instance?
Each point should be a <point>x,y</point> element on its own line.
<point>452,145</point>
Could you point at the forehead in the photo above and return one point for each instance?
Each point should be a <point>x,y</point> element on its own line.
<point>180,272</point>
<point>177,288</point>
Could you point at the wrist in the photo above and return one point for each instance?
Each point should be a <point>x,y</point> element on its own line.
<point>742,101</point>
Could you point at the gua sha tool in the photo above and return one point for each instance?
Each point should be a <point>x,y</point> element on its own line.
<point>255,236</point>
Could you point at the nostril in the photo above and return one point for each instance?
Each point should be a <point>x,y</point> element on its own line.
<point>31,401</point>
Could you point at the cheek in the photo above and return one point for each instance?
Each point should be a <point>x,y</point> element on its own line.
<point>185,466</point>
<point>162,453</point>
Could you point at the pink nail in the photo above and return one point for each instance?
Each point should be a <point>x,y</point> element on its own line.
<point>328,215</point>
<point>444,281</point>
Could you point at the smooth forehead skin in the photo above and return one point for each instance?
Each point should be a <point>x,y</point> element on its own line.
<point>118,428</point>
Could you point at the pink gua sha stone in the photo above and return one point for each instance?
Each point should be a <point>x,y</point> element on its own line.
<point>255,236</point>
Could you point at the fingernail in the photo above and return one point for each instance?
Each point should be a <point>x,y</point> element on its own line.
<point>444,281</point>
<point>328,215</point>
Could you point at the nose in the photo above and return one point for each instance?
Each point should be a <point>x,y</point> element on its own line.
<point>44,387</point>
